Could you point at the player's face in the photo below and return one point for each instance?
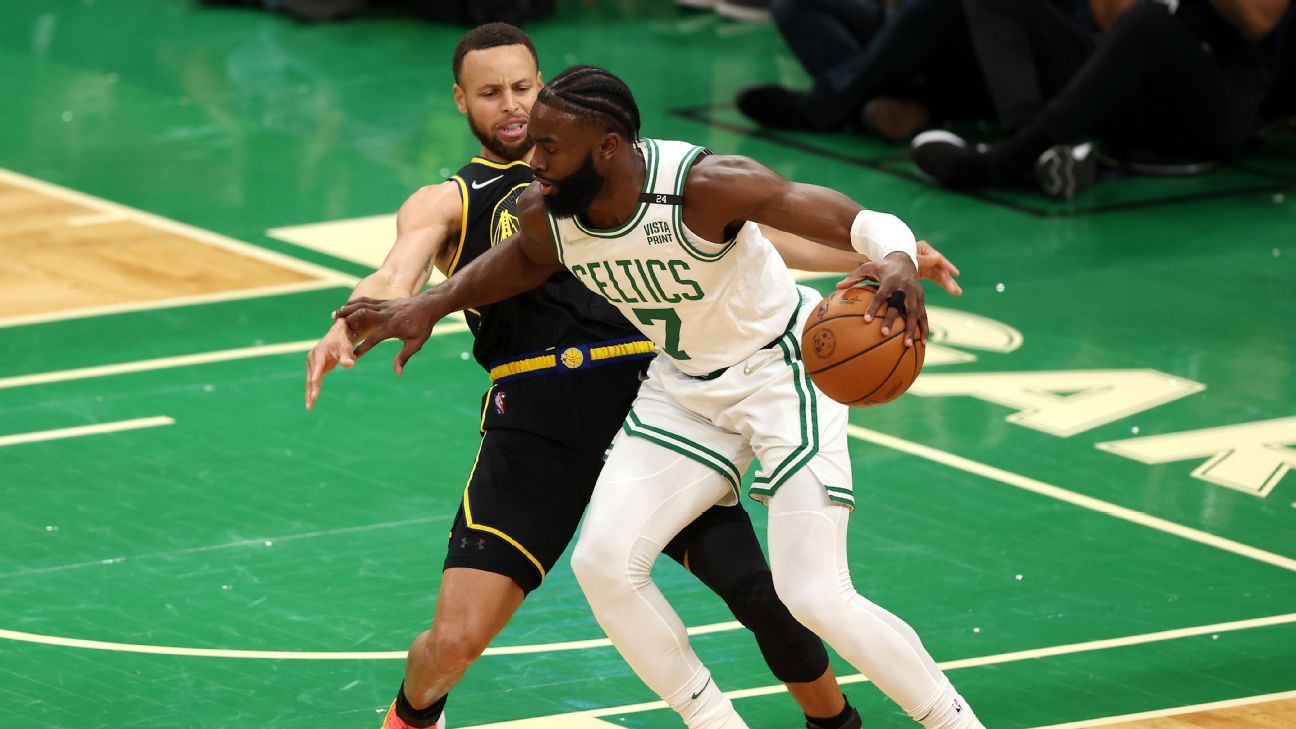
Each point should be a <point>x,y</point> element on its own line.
<point>564,161</point>
<point>496,89</point>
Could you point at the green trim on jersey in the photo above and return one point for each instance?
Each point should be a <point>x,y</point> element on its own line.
<point>681,175</point>
<point>809,411</point>
<point>557,237</point>
<point>685,447</point>
<point>840,495</point>
<point>651,158</point>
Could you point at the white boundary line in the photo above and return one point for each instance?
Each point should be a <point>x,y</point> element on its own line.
<point>258,542</point>
<point>168,303</point>
<point>1175,711</point>
<point>556,720</point>
<point>189,231</point>
<point>165,650</point>
<point>1070,497</point>
<point>1061,650</point>
<point>60,433</point>
<point>185,360</point>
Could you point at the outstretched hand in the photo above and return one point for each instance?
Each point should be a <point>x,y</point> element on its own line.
<point>898,290</point>
<point>375,320</point>
<point>935,267</point>
<point>332,350</point>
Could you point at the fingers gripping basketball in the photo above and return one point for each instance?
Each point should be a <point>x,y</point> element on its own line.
<point>852,361</point>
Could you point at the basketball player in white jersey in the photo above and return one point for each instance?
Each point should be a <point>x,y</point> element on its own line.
<point>666,232</point>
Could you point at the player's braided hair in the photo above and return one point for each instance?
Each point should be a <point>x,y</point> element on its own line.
<point>595,96</point>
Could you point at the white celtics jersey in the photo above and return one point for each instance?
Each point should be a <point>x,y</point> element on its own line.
<point>706,305</point>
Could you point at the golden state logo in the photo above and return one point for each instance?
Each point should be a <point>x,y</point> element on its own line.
<point>504,220</point>
<point>572,358</point>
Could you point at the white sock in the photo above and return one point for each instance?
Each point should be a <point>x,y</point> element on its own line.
<point>702,705</point>
<point>946,710</point>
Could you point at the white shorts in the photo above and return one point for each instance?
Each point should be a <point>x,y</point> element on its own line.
<point>764,407</point>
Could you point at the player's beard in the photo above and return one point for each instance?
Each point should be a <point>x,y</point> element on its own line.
<point>576,191</point>
<point>507,152</point>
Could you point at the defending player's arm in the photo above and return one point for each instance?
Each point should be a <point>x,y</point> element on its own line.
<point>518,264</point>
<point>724,192</point>
<point>804,255</point>
<point>426,226</point>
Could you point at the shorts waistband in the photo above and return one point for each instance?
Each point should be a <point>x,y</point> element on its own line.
<point>557,360</point>
<point>773,343</point>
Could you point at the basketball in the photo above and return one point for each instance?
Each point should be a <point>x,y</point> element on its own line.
<point>852,361</point>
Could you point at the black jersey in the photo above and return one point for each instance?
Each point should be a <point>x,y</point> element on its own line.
<point>561,312</point>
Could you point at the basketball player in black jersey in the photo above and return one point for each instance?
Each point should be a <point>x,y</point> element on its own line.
<point>565,367</point>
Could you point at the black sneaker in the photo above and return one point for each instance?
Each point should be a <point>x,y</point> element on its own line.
<point>853,722</point>
<point>754,10</point>
<point>771,105</point>
<point>1064,170</point>
<point>948,159</point>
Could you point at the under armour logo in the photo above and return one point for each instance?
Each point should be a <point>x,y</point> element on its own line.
<point>481,543</point>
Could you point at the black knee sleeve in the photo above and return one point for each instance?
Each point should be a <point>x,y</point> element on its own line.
<point>793,653</point>
<point>720,547</point>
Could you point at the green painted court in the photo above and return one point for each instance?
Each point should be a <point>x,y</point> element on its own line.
<point>1083,506</point>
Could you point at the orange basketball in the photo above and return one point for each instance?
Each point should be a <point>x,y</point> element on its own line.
<point>853,362</point>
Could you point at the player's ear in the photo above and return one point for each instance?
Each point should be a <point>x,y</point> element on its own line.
<point>609,145</point>
<point>460,99</point>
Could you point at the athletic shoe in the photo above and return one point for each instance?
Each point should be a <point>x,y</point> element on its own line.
<point>392,721</point>
<point>771,105</point>
<point>948,159</point>
<point>1064,170</point>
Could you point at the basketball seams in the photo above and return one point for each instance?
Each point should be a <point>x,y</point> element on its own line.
<point>886,379</point>
<point>868,371</point>
<point>860,353</point>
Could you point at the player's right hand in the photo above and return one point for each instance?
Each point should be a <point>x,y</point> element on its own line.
<point>332,350</point>
<point>409,320</point>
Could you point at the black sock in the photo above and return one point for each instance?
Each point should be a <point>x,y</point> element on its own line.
<point>420,718</point>
<point>834,722</point>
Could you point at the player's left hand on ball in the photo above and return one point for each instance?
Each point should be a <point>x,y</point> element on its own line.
<point>935,267</point>
<point>898,290</point>
<point>408,320</point>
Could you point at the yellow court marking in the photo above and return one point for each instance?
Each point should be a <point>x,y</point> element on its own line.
<point>64,254</point>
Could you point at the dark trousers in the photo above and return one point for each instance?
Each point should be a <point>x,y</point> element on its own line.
<point>1027,50</point>
<point>823,32</point>
<point>1149,85</point>
<point>922,52</point>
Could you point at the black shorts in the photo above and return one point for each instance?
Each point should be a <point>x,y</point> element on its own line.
<point>542,449</point>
